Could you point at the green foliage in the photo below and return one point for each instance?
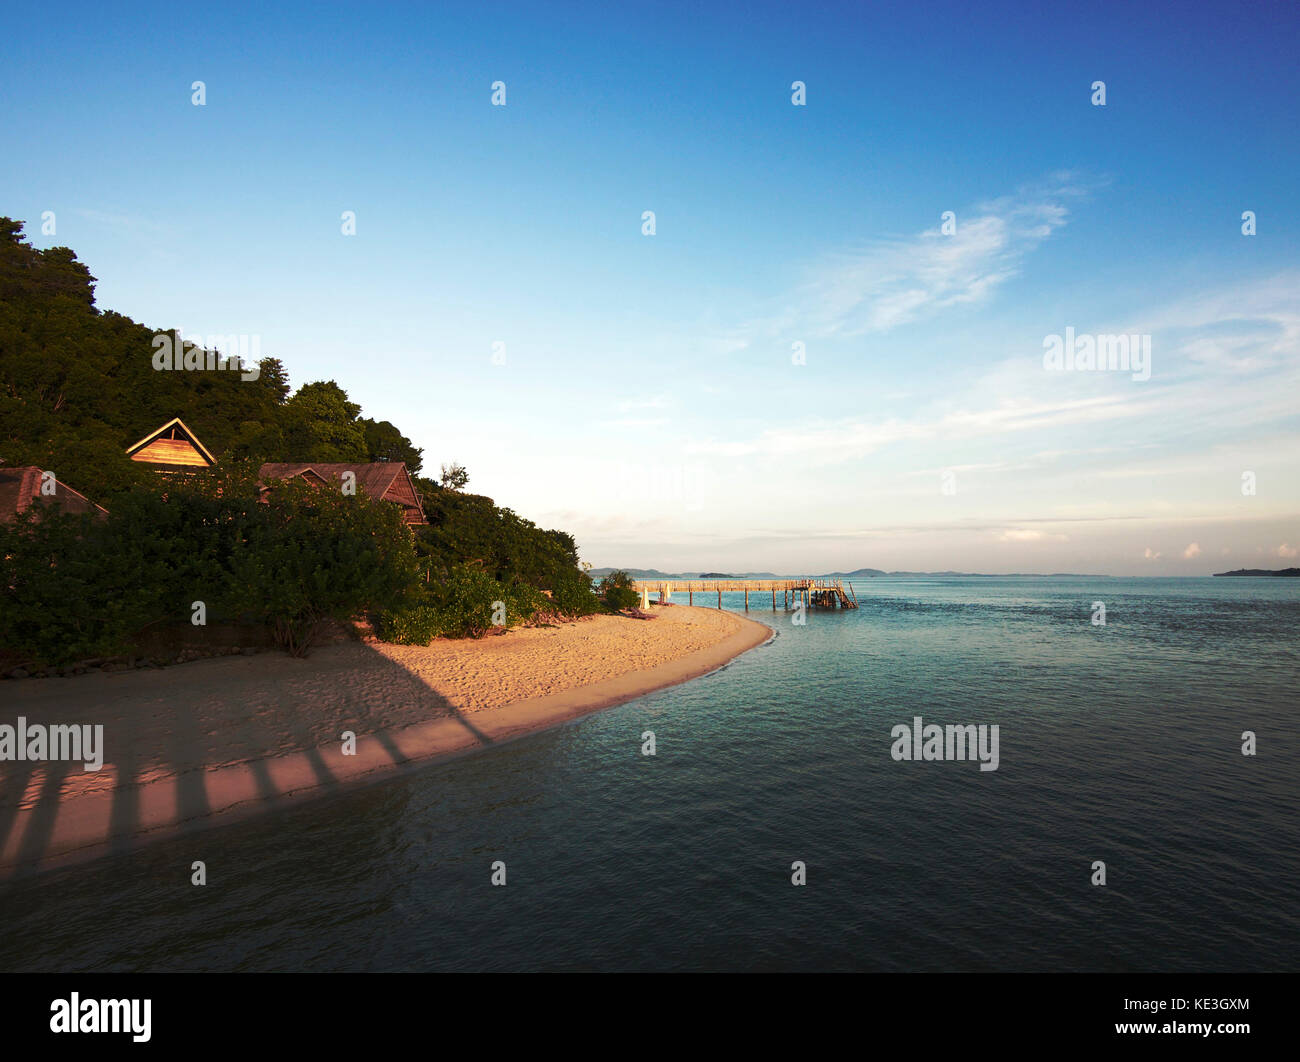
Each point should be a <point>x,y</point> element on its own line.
<point>77,587</point>
<point>617,592</point>
<point>385,443</point>
<point>311,554</point>
<point>572,594</point>
<point>78,385</point>
<point>413,625</point>
<point>61,594</point>
<point>466,600</point>
<point>454,476</point>
<point>471,529</point>
<point>466,604</point>
<point>72,588</point>
<point>320,421</point>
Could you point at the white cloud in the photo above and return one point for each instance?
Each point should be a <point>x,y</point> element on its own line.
<point>1149,554</point>
<point>887,283</point>
<point>1193,550</point>
<point>1286,550</point>
<point>848,440</point>
<point>1020,534</point>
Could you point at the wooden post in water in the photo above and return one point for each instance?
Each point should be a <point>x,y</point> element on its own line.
<point>774,599</point>
<point>719,595</point>
<point>746,599</point>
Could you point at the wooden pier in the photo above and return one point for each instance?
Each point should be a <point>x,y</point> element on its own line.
<point>813,593</point>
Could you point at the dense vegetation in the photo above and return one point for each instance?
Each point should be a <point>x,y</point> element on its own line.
<point>78,385</point>
<point>72,587</point>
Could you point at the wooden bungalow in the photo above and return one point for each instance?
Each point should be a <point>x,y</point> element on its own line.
<point>173,447</point>
<point>388,480</point>
<point>20,490</point>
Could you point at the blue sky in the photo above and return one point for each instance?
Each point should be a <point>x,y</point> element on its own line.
<point>648,400</point>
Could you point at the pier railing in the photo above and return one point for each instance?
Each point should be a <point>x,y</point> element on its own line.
<point>814,593</point>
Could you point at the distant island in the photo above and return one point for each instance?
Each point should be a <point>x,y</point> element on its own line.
<point>1292,572</point>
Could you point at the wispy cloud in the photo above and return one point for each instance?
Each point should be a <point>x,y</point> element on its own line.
<point>1241,329</point>
<point>1026,534</point>
<point>849,440</point>
<point>881,285</point>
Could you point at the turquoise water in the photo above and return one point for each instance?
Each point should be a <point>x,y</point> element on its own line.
<point>1119,743</point>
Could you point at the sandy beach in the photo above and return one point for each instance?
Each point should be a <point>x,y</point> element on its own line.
<point>211,741</point>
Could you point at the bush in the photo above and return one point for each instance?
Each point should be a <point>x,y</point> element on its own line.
<point>572,594</point>
<point>467,604</point>
<point>414,625</point>
<point>524,603</point>
<point>617,592</point>
<point>64,593</point>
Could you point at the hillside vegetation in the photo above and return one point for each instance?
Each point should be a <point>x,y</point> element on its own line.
<point>78,385</point>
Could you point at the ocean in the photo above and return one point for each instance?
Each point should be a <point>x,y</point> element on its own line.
<point>1118,744</point>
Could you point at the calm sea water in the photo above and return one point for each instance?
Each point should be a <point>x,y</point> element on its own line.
<point>1120,744</point>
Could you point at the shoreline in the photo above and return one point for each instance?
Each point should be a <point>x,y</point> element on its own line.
<point>58,828</point>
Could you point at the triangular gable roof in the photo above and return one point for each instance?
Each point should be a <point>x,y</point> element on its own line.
<point>172,444</point>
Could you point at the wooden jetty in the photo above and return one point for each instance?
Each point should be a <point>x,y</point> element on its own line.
<point>813,593</point>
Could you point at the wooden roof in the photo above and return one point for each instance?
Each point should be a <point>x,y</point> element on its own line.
<point>172,446</point>
<point>20,489</point>
<point>388,480</point>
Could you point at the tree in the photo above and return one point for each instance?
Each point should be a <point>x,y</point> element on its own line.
<point>274,379</point>
<point>385,443</point>
<point>454,476</point>
<point>321,425</point>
